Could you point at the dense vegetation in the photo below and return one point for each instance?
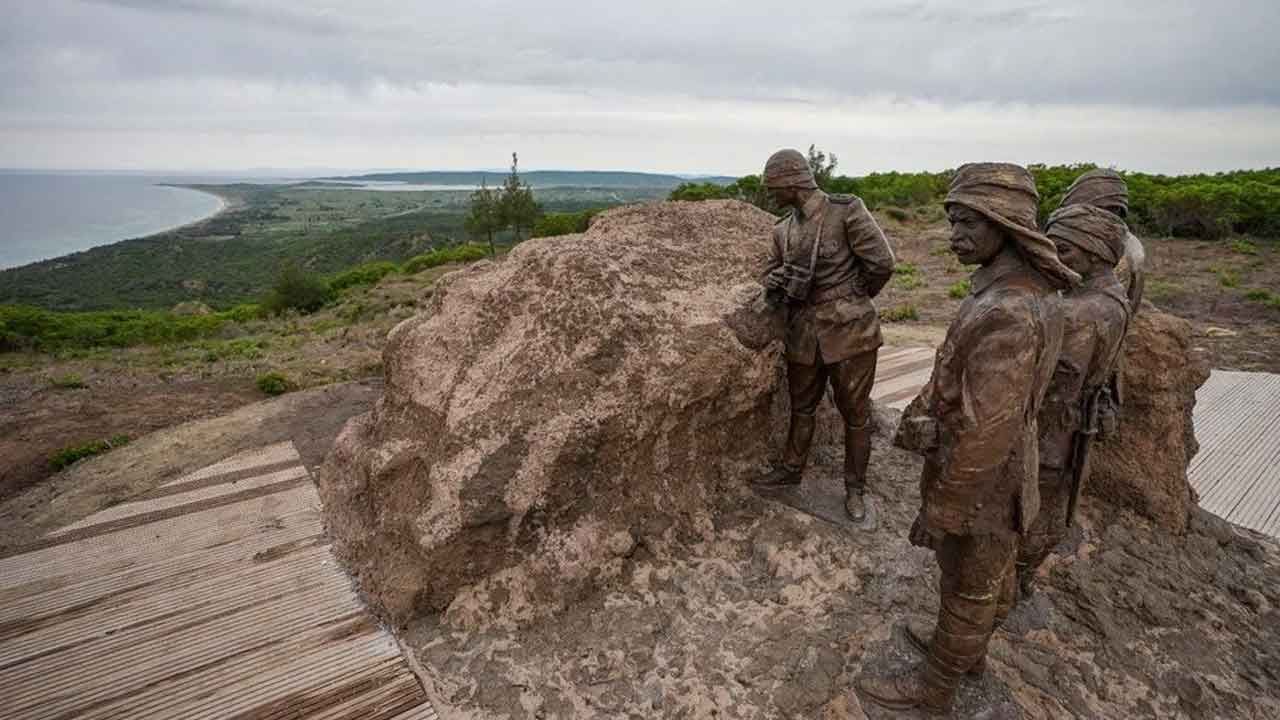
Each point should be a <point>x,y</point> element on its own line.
<point>25,328</point>
<point>1245,202</point>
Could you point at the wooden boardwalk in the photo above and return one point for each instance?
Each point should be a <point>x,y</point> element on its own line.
<point>1237,471</point>
<point>900,373</point>
<point>214,596</point>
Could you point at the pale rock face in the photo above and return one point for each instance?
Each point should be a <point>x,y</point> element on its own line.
<point>1144,467</point>
<point>588,394</point>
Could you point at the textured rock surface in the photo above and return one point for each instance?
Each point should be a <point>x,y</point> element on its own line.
<point>778,613</point>
<point>1144,467</point>
<point>552,413</point>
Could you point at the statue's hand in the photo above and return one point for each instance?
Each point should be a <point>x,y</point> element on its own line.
<point>920,536</point>
<point>774,280</point>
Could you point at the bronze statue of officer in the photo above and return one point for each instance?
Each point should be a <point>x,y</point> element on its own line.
<point>829,259</point>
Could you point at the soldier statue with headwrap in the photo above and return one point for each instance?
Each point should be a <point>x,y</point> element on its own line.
<point>829,259</point>
<point>975,423</point>
<point>1107,190</point>
<point>1096,316</point>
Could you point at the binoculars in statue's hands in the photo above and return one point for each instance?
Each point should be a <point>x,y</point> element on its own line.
<point>788,285</point>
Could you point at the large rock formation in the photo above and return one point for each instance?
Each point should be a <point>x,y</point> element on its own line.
<point>555,412</point>
<point>1144,467</point>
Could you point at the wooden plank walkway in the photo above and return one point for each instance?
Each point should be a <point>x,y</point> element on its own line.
<point>1237,471</point>
<point>900,373</point>
<point>214,596</point>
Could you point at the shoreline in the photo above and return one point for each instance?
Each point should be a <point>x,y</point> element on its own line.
<point>225,203</point>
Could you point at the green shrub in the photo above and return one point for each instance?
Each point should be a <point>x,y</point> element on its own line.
<point>897,213</point>
<point>1244,247</point>
<point>238,349</point>
<point>1228,279</point>
<point>73,453</point>
<point>443,256</point>
<point>245,312</point>
<point>552,224</point>
<point>694,191</point>
<point>297,289</point>
<point>900,313</point>
<point>959,289</point>
<point>28,328</point>
<point>1162,289</point>
<point>905,269</point>
<point>361,275</point>
<point>70,381</point>
<point>1258,295</point>
<point>274,383</point>
<point>909,281</point>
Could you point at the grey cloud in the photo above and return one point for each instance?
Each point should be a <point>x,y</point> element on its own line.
<point>1150,53</point>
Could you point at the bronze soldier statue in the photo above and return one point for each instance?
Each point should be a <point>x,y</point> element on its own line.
<point>1107,189</point>
<point>975,423</point>
<point>829,259</point>
<point>1096,315</point>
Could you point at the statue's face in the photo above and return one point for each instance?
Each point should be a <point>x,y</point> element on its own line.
<point>783,196</point>
<point>974,239</point>
<point>1074,258</point>
<point>1119,211</point>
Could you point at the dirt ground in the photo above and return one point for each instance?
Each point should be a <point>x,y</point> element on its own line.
<point>309,418</point>
<point>38,420</point>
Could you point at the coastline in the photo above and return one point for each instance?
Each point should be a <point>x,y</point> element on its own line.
<point>225,203</point>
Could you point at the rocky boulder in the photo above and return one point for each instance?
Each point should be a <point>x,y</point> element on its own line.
<point>587,398</point>
<point>1144,467</point>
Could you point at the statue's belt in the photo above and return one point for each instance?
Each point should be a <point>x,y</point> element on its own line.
<point>835,292</point>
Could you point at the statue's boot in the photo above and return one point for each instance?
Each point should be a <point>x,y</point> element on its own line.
<point>799,437</point>
<point>920,636</point>
<point>1027,579</point>
<point>908,690</point>
<point>857,454</point>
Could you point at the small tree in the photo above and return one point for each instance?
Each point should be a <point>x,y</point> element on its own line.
<point>518,209</point>
<point>822,165</point>
<point>484,215</point>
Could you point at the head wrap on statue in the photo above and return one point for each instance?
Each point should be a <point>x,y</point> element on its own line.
<point>1006,194</point>
<point>1091,229</point>
<point>1100,188</point>
<point>788,168</point>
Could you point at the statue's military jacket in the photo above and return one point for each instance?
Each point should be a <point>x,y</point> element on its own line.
<point>854,262</point>
<point>1095,318</point>
<point>989,379</point>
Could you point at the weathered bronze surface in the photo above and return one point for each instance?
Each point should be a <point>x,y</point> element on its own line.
<point>1107,189</point>
<point>829,259</point>
<point>1096,316</point>
<point>975,423</point>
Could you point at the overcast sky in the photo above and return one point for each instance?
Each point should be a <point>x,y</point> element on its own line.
<point>687,86</point>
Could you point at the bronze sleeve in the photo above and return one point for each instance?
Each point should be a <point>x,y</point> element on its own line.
<point>869,245</point>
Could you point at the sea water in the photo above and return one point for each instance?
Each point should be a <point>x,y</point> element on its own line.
<point>46,215</point>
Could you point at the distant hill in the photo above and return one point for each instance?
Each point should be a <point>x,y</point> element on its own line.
<point>538,178</point>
